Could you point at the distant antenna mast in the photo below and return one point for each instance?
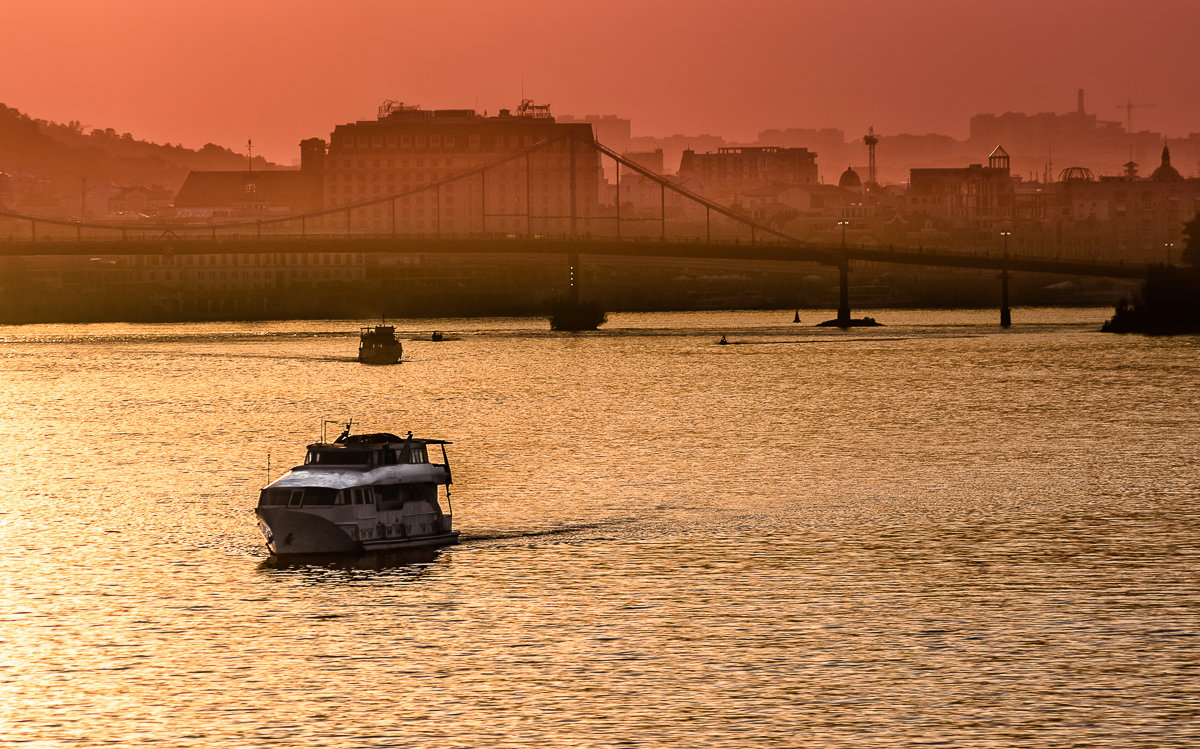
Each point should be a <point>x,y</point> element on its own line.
<point>250,155</point>
<point>870,140</point>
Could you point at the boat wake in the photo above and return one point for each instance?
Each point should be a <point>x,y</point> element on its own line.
<point>467,537</point>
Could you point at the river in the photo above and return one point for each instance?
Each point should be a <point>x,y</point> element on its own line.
<point>936,532</point>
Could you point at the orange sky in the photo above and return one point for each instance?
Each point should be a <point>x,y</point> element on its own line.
<point>279,71</point>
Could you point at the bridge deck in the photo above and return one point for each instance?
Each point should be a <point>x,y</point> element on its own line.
<point>560,246</point>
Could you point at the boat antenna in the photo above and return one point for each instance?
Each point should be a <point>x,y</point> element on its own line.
<point>326,423</point>
<point>268,466</point>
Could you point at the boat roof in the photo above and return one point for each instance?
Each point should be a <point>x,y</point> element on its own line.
<point>377,439</point>
<point>347,477</point>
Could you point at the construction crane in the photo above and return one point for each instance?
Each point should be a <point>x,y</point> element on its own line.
<point>1129,106</point>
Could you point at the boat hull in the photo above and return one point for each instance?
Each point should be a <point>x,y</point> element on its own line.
<point>577,316</point>
<point>380,355</point>
<point>292,532</point>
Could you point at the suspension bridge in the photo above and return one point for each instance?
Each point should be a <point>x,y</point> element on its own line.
<point>695,227</point>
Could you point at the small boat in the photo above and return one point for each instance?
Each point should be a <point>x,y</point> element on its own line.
<point>377,344</point>
<point>437,336</point>
<point>359,493</point>
<point>573,315</point>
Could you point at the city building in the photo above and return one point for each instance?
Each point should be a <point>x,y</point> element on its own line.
<point>1124,218</point>
<point>407,148</point>
<point>1047,141</point>
<point>735,169</point>
<point>245,194</point>
<point>971,202</point>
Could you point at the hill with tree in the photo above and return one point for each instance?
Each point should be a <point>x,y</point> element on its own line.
<point>44,160</point>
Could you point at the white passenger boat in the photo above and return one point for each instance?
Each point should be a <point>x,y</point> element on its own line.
<point>359,493</point>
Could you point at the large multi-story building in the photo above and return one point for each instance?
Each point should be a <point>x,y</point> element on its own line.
<point>734,169</point>
<point>975,198</point>
<point>407,148</point>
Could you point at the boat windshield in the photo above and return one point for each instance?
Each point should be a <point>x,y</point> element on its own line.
<point>305,497</point>
<point>338,457</point>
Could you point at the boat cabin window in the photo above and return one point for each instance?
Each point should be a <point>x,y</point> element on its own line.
<point>308,497</point>
<point>404,454</point>
<point>313,496</point>
<point>414,454</point>
<point>281,497</point>
<point>338,457</point>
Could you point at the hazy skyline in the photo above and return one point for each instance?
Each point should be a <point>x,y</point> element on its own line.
<point>279,72</point>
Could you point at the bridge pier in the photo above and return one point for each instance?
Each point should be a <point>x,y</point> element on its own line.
<point>1005,312</point>
<point>573,279</point>
<point>843,311</point>
<point>568,313</point>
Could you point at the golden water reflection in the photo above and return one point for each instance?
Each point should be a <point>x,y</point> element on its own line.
<point>930,532</point>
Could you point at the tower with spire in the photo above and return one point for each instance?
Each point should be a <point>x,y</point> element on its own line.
<point>1165,172</point>
<point>871,140</point>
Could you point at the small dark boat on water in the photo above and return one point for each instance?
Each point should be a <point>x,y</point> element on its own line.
<point>568,314</point>
<point>377,344</point>
<point>856,322</point>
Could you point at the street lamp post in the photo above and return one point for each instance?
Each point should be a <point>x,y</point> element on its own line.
<point>1005,313</point>
<point>843,224</point>
<point>1170,246</point>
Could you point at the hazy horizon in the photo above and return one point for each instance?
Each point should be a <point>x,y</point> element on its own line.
<point>278,72</point>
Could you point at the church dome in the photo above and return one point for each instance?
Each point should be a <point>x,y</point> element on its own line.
<point>1166,172</point>
<point>850,180</point>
